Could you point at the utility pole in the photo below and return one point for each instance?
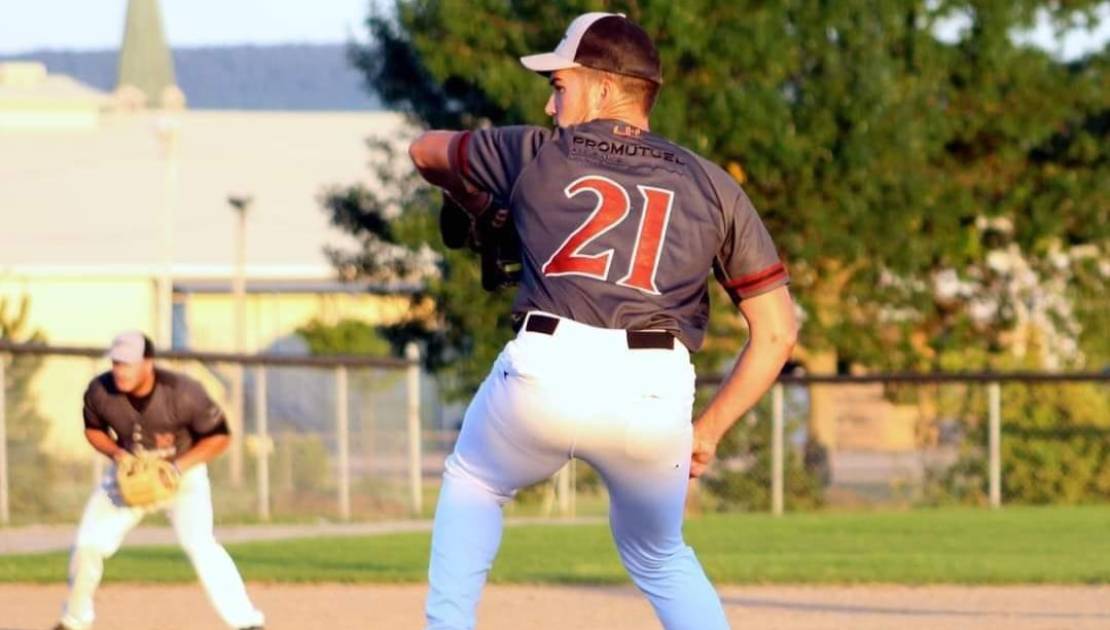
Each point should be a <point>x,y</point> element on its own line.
<point>240,204</point>
<point>168,127</point>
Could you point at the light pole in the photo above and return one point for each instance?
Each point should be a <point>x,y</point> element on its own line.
<point>240,204</point>
<point>168,128</point>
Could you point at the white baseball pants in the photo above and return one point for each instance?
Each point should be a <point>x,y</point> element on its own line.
<point>105,523</point>
<point>578,392</point>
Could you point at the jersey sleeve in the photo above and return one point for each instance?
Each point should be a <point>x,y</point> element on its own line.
<point>747,263</point>
<point>199,413</point>
<point>91,411</point>
<point>493,159</point>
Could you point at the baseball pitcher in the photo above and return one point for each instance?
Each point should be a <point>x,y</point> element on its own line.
<point>160,429</point>
<point>618,231</point>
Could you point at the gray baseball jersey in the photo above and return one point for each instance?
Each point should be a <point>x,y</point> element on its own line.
<point>619,226</point>
<point>168,421</point>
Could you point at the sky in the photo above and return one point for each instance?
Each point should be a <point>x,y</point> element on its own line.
<point>98,24</point>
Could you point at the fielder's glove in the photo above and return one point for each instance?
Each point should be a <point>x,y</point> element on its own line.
<point>491,234</point>
<point>146,480</point>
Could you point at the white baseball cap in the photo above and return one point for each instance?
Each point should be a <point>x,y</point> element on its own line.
<point>131,346</point>
<point>602,41</point>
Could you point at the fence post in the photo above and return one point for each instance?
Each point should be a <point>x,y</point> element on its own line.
<point>237,419</point>
<point>994,392</point>
<point>98,460</point>
<point>342,430</point>
<point>563,481</point>
<point>261,419</point>
<point>5,514</point>
<point>412,353</point>
<point>777,439</point>
<point>574,488</point>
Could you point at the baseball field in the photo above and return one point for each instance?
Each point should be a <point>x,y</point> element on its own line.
<point>956,568</point>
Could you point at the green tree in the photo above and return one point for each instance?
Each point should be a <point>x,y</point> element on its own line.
<point>25,426</point>
<point>1055,441</point>
<point>849,123</point>
<point>348,336</point>
<point>399,241</point>
<point>744,482</point>
<point>874,151</point>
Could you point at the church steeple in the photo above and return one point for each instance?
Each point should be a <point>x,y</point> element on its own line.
<point>146,76</point>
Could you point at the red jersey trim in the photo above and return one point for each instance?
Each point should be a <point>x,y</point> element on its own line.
<point>462,165</point>
<point>758,287</point>
<point>745,284</point>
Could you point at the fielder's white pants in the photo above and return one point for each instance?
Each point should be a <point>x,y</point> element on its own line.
<point>105,523</point>
<point>580,392</point>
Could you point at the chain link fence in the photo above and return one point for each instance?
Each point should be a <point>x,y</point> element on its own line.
<point>911,440</point>
<point>338,439</point>
<point>314,439</point>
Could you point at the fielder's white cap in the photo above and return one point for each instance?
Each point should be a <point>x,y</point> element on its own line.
<point>131,346</point>
<point>602,41</point>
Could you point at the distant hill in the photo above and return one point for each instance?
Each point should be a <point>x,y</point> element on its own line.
<point>280,77</point>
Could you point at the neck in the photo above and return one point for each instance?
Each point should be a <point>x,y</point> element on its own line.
<point>629,116</point>
<point>144,388</point>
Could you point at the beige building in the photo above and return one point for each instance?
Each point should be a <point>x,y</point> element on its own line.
<point>99,207</point>
<point>34,100</point>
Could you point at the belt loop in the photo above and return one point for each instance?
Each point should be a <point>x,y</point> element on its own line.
<point>545,324</point>
<point>650,339</point>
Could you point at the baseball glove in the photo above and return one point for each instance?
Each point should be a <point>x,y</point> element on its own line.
<point>146,480</point>
<point>456,225</point>
<point>491,234</point>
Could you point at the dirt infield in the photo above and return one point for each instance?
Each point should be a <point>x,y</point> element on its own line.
<point>338,606</point>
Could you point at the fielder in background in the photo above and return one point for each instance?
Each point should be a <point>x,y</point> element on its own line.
<point>618,230</point>
<point>160,429</point>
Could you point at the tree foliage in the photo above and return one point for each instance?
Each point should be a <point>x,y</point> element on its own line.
<point>398,235</point>
<point>348,336</point>
<point>743,481</point>
<point>1055,442</point>
<point>881,157</point>
<point>26,428</point>
<point>870,146</point>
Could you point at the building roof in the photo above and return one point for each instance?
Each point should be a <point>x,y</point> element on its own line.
<point>26,85</point>
<point>288,286</point>
<point>94,197</point>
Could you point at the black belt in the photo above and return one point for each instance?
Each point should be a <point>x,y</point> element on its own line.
<point>637,339</point>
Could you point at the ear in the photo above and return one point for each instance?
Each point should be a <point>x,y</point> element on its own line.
<point>596,95</point>
<point>608,88</point>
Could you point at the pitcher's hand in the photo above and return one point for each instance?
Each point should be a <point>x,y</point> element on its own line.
<point>704,451</point>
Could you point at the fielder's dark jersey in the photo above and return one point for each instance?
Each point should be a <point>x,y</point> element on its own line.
<point>174,416</point>
<point>619,227</point>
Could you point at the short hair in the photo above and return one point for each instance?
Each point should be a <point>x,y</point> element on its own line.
<point>641,90</point>
<point>148,348</point>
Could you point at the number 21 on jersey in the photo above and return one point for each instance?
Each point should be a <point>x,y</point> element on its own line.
<point>613,206</point>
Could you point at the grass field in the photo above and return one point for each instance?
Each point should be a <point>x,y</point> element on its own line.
<point>1066,545</point>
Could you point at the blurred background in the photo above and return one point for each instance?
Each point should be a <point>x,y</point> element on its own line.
<point>231,179</point>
